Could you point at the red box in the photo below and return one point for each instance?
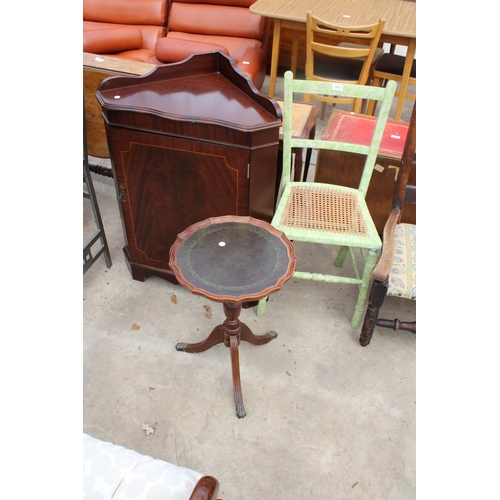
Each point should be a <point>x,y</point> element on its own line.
<point>344,169</point>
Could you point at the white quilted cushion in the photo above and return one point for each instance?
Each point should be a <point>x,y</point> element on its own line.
<point>114,472</point>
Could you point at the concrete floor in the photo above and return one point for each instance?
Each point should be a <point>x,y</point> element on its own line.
<point>326,418</point>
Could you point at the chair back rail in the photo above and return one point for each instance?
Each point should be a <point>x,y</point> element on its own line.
<point>340,53</point>
<point>383,94</point>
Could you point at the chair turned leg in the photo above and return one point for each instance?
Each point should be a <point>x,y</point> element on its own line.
<point>261,307</point>
<point>339,261</point>
<point>370,262</point>
<point>377,296</point>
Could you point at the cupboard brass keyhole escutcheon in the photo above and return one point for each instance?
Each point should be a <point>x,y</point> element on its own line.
<point>121,194</point>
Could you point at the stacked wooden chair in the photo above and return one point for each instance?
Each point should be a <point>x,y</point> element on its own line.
<point>390,66</point>
<point>342,54</point>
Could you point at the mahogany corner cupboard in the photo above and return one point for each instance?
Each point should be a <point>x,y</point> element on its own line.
<point>187,141</point>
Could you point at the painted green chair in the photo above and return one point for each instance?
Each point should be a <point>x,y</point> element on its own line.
<point>325,213</point>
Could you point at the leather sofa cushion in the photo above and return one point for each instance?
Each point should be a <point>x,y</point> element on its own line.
<point>169,50</point>
<point>153,12</point>
<point>112,40</point>
<point>215,20</point>
<point>235,47</point>
<point>234,3</point>
<point>150,34</point>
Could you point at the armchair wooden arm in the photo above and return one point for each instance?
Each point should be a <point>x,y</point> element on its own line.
<point>383,267</point>
<point>404,193</point>
<point>206,489</point>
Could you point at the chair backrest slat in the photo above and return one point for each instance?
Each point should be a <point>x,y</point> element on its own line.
<point>324,38</point>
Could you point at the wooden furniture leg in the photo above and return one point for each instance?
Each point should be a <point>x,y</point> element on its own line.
<point>216,337</point>
<point>377,296</point>
<point>295,51</point>
<point>234,332</point>
<point>231,332</point>
<point>274,56</point>
<point>410,55</point>
<point>297,174</point>
<point>248,336</point>
<point>312,134</point>
<point>235,365</point>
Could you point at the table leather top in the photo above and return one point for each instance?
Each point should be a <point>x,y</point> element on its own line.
<point>232,258</point>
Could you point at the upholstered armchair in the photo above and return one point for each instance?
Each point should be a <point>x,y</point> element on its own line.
<point>111,472</point>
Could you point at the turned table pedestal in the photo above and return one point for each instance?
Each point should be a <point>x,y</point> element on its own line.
<point>232,260</point>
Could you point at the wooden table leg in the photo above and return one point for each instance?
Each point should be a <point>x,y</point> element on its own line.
<point>295,51</point>
<point>274,56</point>
<point>231,332</point>
<point>312,134</point>
<point>410,55</point>
<point>236,331</point>
<point>297,169</point>
<point>248,336</point>
<point>235,364</point>
<point>216,337</point>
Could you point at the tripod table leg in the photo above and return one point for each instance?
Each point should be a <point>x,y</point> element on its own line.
<point>248,336</point>
<point>216,337</point>
<point>235,364</point>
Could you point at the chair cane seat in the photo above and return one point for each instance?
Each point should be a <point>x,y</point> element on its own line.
<point>320,211</point>
<point>403,274</point>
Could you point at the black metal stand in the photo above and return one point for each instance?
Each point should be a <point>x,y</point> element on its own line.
<point>89,257</point>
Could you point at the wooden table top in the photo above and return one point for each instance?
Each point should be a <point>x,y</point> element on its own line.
<point>115,65</point>
<point>399,15</point>
<point>303,119</point>
<point>232,259</point>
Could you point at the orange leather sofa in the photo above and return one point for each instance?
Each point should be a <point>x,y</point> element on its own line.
<point>168,31</point>
<point>226,25</point>
<point>124,28</point>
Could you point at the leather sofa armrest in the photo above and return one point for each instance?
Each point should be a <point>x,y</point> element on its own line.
<point>206,489</point>
<point>104,41</point>
<point>169,50</point>
<point>253,64</point>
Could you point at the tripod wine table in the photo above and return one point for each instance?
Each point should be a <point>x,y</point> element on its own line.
<point>232,260</point>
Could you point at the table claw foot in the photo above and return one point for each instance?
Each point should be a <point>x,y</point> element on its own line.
<point>181,346</point>
<point>240,411</point>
